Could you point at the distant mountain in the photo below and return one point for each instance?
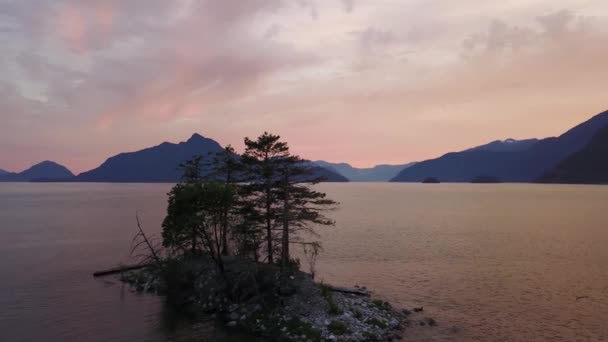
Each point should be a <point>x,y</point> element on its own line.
<point>520,165</point>
<point>2,172</point>
<point>328,175</point>
<point>508,145</point>
<point>151,165</point>
<point>587,166</point>
<point>45,170</point>
<point>160,163</point>
<point>379,173</point>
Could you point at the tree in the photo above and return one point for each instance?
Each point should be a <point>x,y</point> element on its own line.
<point>195,217</point>
<point>217,199</point>
<point>260,160</point>
<point>226,167</point>
<point>192,170</point>
<point>303,207</point>
<point>182,225</point>
<point>280,192</point>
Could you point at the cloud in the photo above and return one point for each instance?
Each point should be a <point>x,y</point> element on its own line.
<point>390,81</point>
<point>349,5</point>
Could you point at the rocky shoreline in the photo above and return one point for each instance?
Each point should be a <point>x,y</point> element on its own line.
<point>299,310</point>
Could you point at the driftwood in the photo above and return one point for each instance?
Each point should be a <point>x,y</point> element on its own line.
<point>355,291</point>
<point>119,270</point>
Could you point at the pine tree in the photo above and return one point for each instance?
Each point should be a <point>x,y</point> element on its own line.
<point>280,190</point>
<point>260,160</point>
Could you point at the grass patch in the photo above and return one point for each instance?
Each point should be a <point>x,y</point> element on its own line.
<point>326,292</point>
<point>382,305</point>
<point>378,323</point>
<point>276,329</point>
<point>338,328</point>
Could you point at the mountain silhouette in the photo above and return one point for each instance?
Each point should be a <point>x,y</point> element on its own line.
<point>508,145</point>
<point>509,166</point>
<point>587,166</point>
<point>3,172</point>
<point>378,173</point>
<point>327,175</point>
<point>151,165</point>
<point>160,164</point>
<point>45,170</point>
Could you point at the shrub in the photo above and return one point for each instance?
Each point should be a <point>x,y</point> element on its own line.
<point>338,328</point>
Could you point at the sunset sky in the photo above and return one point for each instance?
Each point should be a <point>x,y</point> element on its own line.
<point>358,81</point>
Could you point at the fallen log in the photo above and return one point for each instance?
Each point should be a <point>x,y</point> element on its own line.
<point>119,270</point>
<point>355,291</point>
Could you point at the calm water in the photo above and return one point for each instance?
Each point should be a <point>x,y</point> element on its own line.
<point>500,262</point>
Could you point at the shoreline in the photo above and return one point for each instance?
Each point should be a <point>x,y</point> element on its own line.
<point>299,310</point>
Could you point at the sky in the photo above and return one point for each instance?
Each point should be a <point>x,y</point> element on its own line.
<point>359,81</point>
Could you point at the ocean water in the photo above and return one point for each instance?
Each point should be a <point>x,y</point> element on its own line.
<point>489,262</point>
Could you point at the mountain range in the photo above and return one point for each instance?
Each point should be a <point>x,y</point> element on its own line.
<point>160,163</point>
<point>525,163</point>
<point>378,173</point>
<point>587,166</point>
<point>507,145</point>
<point>577,156</point>
<point>47,170</point>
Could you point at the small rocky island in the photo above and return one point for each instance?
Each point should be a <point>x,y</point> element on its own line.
<point>431,180</point>
<point>485,179</point>
<point>254,299</point>
<point>226,251</point>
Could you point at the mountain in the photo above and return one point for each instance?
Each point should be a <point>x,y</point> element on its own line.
<point>46,170</point>
<point>587,166</point>
<point>379,173</point>
<point>328,175</point>
<point>160,163</point>
<point>2,172</point>
<point>519,165</point>
<point>507,145</point>
<point>151,165</point>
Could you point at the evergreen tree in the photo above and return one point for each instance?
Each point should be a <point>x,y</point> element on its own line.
<point>303,207</point>
<point>280,192</point>
<point>192,170</point>
<point>261,161</point>
<point>226,167</point>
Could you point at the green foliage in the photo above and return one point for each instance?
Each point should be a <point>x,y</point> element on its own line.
<point>375,321</point>
<point>182,225</point>
<point>382,305</point>
<point>192,170</point>
<point>279,192</point>
<point>252,206</point>
<point>195,218</point>
<point>327,293</point>
<point>277,329</point>
<point>338,328</point>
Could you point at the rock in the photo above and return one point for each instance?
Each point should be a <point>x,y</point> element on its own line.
<point>231,324</point>
<point>420,309</point>
<point>430,321</point>
<point>234,316</point>
<point>406,312</point>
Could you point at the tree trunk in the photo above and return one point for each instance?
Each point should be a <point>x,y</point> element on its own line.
<point>269,228</point>
<point>285,246</point>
